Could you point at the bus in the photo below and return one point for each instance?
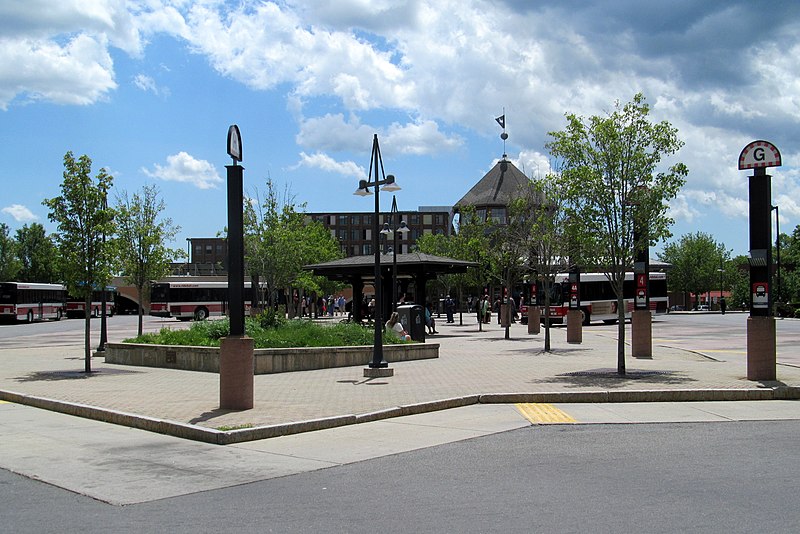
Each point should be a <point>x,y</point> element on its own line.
<point>23,301</point>
<point>76,305</point>
<point>193,300</point>
<point>598,301</point>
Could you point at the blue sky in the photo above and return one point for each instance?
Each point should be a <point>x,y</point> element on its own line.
<point>148,89</point>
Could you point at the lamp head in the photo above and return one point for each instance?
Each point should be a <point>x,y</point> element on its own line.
<point>391,185</point>
<point>404,229</point>
<point>363,190</point>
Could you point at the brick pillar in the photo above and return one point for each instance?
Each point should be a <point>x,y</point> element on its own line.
<point>761,355</point>
<point>236,373</point>
<point>574,326</point>
<point>641,334</point>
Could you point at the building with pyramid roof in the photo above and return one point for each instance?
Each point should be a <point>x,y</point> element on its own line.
<point>494,192</point>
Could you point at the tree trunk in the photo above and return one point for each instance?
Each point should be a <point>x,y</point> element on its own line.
<point>140,292</point>
<point>87,338</point>
<point>620,334</point>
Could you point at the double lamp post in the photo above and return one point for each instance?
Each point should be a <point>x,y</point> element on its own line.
<point>376,178</point>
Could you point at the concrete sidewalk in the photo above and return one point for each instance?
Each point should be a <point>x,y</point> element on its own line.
<point>473,367</point>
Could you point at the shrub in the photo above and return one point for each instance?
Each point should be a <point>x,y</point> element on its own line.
<point>286,334</point>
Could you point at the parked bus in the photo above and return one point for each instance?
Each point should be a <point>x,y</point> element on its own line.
<point>598,301</point>
<point>193,300</point>
<point>30,302</point>
<point>76,305</point>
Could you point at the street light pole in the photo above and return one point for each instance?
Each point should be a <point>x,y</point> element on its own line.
<point>103,324</point>
<point>390,228</point>
<point>388,183</point>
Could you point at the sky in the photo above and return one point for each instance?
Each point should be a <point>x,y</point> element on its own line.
<point>148,88</point>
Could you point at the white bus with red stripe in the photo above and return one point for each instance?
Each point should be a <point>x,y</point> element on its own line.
<point>192,300</point>
<point>23,301</point>
<point>597,299</point>
<point>76,306</point>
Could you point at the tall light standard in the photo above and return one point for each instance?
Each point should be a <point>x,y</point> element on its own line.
<point>778,249</point>
<point>390,230</point>
<point>103,324</point>
<point>388,183</point>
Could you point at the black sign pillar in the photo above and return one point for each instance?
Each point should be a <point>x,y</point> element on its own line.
<point>641,320</point>
<point>574,314</point>
<point>761,346</point>
<point>236,354</point>
<point>235,250</point>
<point>760,243</point>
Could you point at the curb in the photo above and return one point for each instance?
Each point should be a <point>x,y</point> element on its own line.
<point>227,437</point>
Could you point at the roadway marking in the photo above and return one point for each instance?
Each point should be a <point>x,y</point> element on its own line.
<point>542,413</point>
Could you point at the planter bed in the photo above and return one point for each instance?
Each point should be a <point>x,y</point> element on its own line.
<point>267,361</point>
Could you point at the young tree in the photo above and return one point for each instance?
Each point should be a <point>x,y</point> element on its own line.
<point>696,262</point>
<point>142,232</point>
<point>9,263</point>
<point>550,236</point>
<point>610,168</point>
<point>37,254</point>
<point>84,220</point>
<point>279,242</point>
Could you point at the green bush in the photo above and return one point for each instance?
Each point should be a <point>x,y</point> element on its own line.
<point>286,334</point>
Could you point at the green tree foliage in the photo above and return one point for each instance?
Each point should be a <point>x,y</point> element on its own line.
<point>279,242</point>
<point>610,165</point>
<point>38,255</point>
<point>738,273</point>
<point>469,243</point>
<point>140,244</point>
<point>549,238</point>
<point>84,220</point>
<point>9,262</point>
<point>696,262</point>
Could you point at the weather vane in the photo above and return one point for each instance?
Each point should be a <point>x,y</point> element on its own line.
<point>501,120</point>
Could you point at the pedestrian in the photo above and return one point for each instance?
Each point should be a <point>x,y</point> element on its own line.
<point>396,327</point>
<point>485,313</point>
<point>722,305</point>
<point>430,322</point>
<point>449,307</point>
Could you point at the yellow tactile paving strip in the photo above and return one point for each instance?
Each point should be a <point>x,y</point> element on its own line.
<point>542,413</point>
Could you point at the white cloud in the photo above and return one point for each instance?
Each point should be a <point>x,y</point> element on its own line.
<point>328,164</point>
<point>182,167</point>
<point>80,72</point>
<point>20,213</point>
<point>148,84</point>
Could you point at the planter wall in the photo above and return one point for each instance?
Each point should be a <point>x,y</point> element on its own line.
<point>267,361</point>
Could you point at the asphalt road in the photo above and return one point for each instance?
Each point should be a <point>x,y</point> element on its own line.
<point>689,477</point>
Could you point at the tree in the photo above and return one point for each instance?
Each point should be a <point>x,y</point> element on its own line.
<point>279,242</point>
<point>84,219</point>
<point>696,261</point>
<point>9,262</point>
<point>140,250</point>
<point>550,236</point>
<point>469,243</point>
<point>37,254</point>
<point>609,165</point>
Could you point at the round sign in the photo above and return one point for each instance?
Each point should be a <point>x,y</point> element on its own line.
<point>759,154</point>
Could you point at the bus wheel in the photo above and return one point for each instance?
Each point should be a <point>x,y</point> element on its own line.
<point>58,315</point>
<point>610,321</point>
<point>30,316</point>
<point>200,314</point>
<point>585,317</point>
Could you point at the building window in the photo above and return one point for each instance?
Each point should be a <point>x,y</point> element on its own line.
<point>342,220</point>
<point>366,249</point>
<point>427,219</point>
<point>209,249</point>
<point>437,219</point>
<point>342,234</point>
<point>414,218</point>
<point>355,220</point>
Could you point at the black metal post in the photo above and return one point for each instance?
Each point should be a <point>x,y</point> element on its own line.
<point>760,241</point>
<point>377,350</point>
<point>235,250</point>
<point>103,325</point>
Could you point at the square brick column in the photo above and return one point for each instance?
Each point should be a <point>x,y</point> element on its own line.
<point>236,362</point>
<point>761,355</point>
<point>641,334</point>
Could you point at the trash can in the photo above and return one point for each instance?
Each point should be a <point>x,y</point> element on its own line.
<point>412,317</point>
